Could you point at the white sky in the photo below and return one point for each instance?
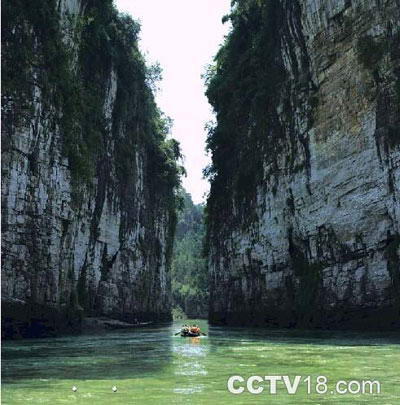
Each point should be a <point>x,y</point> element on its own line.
<point>183,36</point>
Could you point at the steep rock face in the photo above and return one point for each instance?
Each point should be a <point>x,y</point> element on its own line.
<point>88,176</point>
<point>307,231</point>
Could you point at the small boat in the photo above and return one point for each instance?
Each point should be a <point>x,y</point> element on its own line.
<point>190,334</point>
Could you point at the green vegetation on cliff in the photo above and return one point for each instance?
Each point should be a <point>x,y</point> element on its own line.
<point>189,268</point>
<point>242,86</point>
<point>70,60</point>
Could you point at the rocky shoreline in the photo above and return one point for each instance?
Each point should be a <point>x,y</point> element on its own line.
<point>103,323</point>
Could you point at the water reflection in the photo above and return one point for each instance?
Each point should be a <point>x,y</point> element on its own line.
<point>189,390</point>
<point>120,355</point>
<point>189,363</point>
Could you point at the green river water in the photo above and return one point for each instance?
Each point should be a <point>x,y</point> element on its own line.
<point>151,366</point>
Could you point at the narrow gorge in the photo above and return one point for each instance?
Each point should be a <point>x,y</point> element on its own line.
<point>304,209</point>
<point>89,173</point>
<point>302,222</point>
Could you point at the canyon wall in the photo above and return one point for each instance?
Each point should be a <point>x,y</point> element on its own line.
<point>304,209</point>
<point>88,203</point>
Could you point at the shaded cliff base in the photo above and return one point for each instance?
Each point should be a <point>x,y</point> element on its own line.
<point>387,318</point>
<point>20,319</point>
<point>25,320</point>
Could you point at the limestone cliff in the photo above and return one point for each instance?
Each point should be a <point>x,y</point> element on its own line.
<point>304,209</point>
<point>88,205</point>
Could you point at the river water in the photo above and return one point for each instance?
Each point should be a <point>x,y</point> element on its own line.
<point>151,366</point>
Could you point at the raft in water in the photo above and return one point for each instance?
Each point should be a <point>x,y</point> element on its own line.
<point>190,334</point>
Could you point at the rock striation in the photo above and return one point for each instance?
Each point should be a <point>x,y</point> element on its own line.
<point>304,209</point>
<point>88,173</point>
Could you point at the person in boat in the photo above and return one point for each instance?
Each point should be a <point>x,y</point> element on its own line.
<point>195,330</point>
<point>185,330</point>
